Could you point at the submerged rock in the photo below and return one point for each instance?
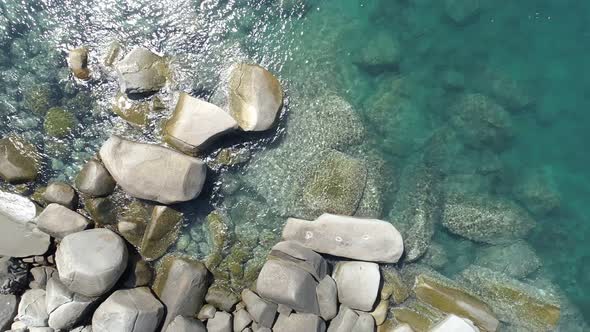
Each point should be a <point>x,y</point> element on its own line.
<point>486,219</point>
<point>95,180</point>
<point>59,123</point>
<point>59,221</point>
<point>141,72</point>
<point>382,54</point>
<point>516,260</point>
<point>255,97</point>
<point>102,210</point>
<point>19,160</point>
<point>461,11</point>
<point>195,124</point>
<point>356,238</point>
<point>78,63</point>
<point>129,310</point>
<point>419,316</point>
<point>514,302</point>
<point>153,172</point>
<point>537,192</point>
<point>161,232</point>
<point>133,111</point>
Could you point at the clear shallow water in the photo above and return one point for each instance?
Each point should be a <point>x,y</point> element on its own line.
<point>525,52</point>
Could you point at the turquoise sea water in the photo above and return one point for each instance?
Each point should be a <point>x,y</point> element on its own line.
<point>402,65</point>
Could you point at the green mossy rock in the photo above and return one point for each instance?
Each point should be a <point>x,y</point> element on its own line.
<point>394,286</point>
<point>19,160</point>
<point>161,233</point>
<point>38,98</point>
<point>102,210</point>
<point>420,316</point>
<point>133,220</point>
<point>59,122</point>
<point>136,112</point>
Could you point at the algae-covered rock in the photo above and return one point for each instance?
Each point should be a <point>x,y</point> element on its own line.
<point>161,232</point>
<point>516,260</point>
<point>420,316</point>
<point>38,98</point>
<point>132,221</point>
<point>538,193</point>
<point>381,54</point>
<point>19,160</point>
<point>102,210</point>
<point>218,236</point>
<point>142,71</point>
<point>135,112</point>
<point>59,122</point>
<point>394,286</point>
<point>446,296</point>
<point>514,302</point>
<point>486,219</point>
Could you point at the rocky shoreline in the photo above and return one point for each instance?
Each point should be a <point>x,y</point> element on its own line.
<point>336,267</point>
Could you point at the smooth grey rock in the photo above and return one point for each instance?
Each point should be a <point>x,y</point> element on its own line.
<point>95,180</point>
<point>358,284</point>
<point>283,283</point>
<point>181,285</point>
<point>61,193</point>
<point>356,238</point>
<point>153,172</point>
<point>222,298</point>
<point>32,310</point>
<point>185,324</point>
<point>195,124</point>
<point>19,160</point>
<point>141,71</point>
<point>129,310</point>
<point>344,321</point>
<point>21,239</point>
<point>327,292</point>
<point>8,307</point>
<point>222,322</point>
<point>207,311</point>
<point>65,308</point>
<point>263,312</point>
<point>241,319</point>
<point>365,323</point>
<point>299,322</point>
<point>284,310</point>
<point>59,221</point>
<point>90,262</point>
<point>302,257</point>
<point>255,97</point>
<point>16,207</point>
<point>453,323</point>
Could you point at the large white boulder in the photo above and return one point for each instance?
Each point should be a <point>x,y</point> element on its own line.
<point>90,262</point>
<point>358,284</point>
<point>153,172</point>
<point>356,238</point>
<point>129,310</point>
<point>59,221</point>
<point>195,124</point>
<point>32,310</point>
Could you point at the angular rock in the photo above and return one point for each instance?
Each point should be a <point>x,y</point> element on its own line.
<point>141,72</point>
<point>344,321</point>
<point>358,284</point>
<point>222,298</point>
<point>419,316</point>
<point>222,322</point>
<point>59,221</point>
<point>207,311</point>
<point>41,275</point>
<point>161,232</point>
<point>286,284</point>
<point>514,302</point>
<point>95,180</point>
<point>241,319</point>
<point>394,286</point>
<point>19,160</point>
<point>153,172</point>
<point>181,285</point>
<point>65,308</point>
<point>61,193</point>
<point>133,219</point>
<point>486,219</point>
<point>195,124</point>
<point>78,63</point>
<point>136,112</point>
<point>302,257</point>
<point>380,312</point>
<point>299,322</point>
<point>185,324</point>
<point>516,260</point>
<point>138,273</point>
<point>454,323</point>
<point>129,310</point>
<point>90,262</point>
<point>443,294</point>
<point>365,323</point>
<point>461,11</point>
<point>8,306</point>
<point>362,239</point>
<point>19,239</point>
<point>31,309</point>
<point>102,210</point>
<point>327,293</point>
<point>263,312</point>
<point>255,97</point>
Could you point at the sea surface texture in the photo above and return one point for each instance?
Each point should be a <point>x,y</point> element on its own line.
<point>434,115</point>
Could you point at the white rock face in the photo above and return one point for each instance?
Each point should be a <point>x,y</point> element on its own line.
<point>196,123</point>
<point>255,97</point>
<point>129,310</point>
<point>153,172</point>
<point>299,322</point>
<point>141,71</point>
<point>358,284</point>
<point>90,262</point>
<point>18,235</point>
<point>17,208</point>
<point>453,323</point>
<point>356,238</point>
<point>222,322</point>
<point>59,221</point>
<point>65,307</point>
<point>186,324</point>
<point>31,309</point>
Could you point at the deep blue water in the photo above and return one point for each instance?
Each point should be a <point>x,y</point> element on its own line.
<point>530,57</point>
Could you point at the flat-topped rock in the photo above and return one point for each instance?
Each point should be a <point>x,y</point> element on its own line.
<point>299,322</point>
<point>186,324</point>
<point>95,180</point>
<point>302,257</point>
<point>59,221</point>
<point>358,284</point>
<point>356,238</point>
<point>195,124</point>
<point>142,72</point>
<point>19,160</point>
<point>65,308</point>
<point>129,310</point>
<point>255,97</point>
<point>153,172</point>
<point>61,193</point>
<point>21,239</point>
<point>90,262</point>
